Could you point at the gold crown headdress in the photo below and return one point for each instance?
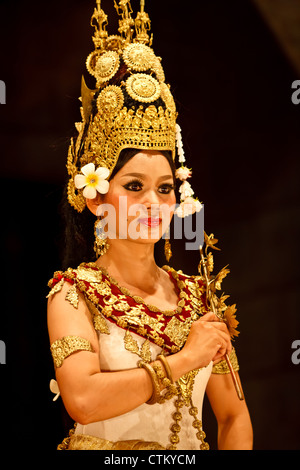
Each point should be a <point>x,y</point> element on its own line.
<point>131,106</point>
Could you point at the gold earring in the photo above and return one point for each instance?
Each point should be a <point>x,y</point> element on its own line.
<point>168,250</point>
<point>101,245</point>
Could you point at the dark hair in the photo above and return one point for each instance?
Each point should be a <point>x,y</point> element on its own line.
<point>78,233</point>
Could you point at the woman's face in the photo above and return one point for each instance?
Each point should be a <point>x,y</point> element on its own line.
<point>141,200</point>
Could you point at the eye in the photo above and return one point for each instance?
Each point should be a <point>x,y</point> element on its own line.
<point>166,188</point>
<point>134,185</point>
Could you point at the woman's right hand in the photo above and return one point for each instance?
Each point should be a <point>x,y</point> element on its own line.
<point>208,340</point>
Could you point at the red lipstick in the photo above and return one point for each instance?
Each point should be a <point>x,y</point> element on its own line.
<point>150,221</point>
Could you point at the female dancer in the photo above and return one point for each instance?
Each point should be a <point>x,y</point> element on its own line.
<point>134,345</point>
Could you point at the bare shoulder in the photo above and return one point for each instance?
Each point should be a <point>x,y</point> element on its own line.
<point>68,317</point>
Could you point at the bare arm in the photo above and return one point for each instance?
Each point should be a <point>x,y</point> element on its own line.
<point>234,424</point>
<point>89,394</point>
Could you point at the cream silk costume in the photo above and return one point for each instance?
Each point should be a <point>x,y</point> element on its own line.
<point>130,330</point>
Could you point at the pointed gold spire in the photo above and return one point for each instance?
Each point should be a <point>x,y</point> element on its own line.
<point>99,22</point>
<point>126,23</point>
<point>142,26</point>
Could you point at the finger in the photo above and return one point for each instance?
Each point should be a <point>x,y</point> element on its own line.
<point>211,319</point>
<point>221,326</point>
<point>223,339</point>
<point>222,351</point>
<point>210,316</point>
<point>219,356</point>
<point>227,339</point>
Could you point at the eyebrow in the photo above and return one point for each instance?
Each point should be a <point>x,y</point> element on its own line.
<point>143,175</point>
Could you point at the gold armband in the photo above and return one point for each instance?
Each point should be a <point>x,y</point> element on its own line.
<point>222,367</point>
<point>64,347</point>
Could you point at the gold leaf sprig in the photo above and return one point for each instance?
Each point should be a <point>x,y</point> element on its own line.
<point>213,283</point>
<point>231,321</point>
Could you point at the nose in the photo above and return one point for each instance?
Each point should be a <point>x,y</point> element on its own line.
<point>151,200</point>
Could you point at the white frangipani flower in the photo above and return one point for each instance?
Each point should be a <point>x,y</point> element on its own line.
<point>186,190</point>
<point>54,389</point>
<point>92,180</point>
<point>188,207</point>
<point>183,173</point>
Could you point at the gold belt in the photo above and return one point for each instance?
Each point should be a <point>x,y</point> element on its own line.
<point>86,442</point>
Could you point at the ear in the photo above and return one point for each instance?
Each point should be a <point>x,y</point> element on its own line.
<point>93,204</point>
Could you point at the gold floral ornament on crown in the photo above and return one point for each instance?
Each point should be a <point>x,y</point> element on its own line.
<point>110,101</point>
<point>130,106</point>
<point>143,88</point>
<point>139,57</point>
<point>106,67</point>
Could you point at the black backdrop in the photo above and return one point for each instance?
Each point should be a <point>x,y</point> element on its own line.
<point>232,84</point>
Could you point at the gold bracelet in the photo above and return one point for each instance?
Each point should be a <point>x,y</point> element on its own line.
<point>167,385</point>
<point>155,384</point>
<point>165,363</point>
<point>159,380</point>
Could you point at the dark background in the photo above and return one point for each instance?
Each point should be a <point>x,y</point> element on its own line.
<point>232,82</point>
